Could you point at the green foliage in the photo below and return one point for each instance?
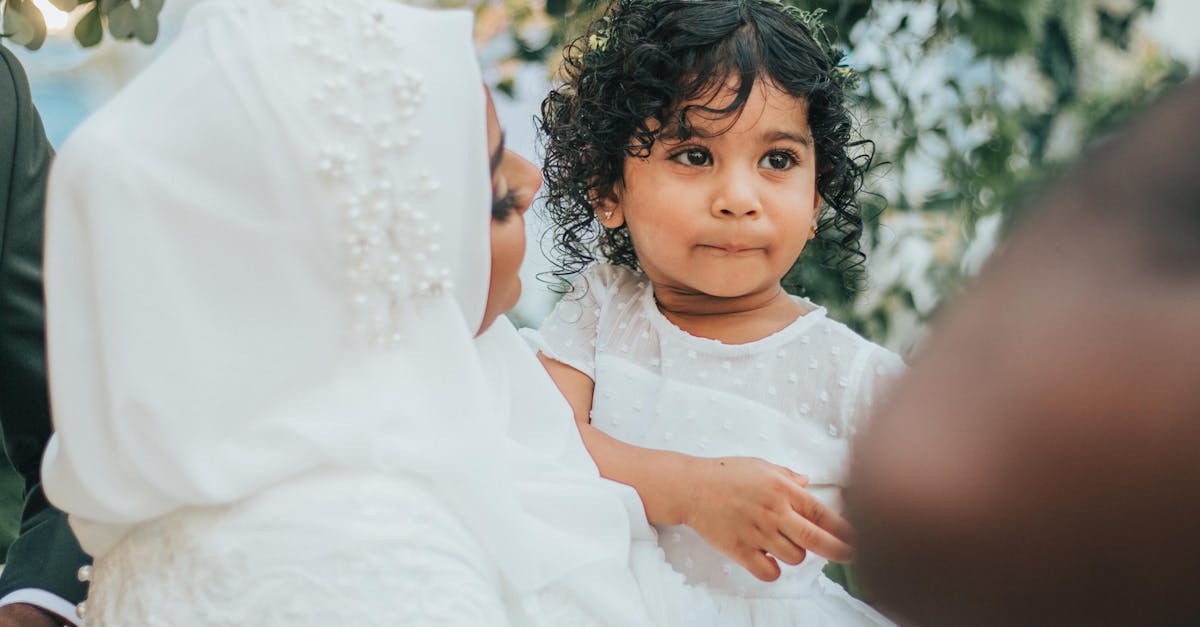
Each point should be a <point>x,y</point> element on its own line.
<point>1030,86</point>
<point>999,28</point>
<point>25,25</point>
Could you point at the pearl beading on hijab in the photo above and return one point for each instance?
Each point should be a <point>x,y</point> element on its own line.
<point>391,247</point>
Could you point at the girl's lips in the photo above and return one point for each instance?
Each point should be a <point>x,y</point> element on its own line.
<point>730,249</point>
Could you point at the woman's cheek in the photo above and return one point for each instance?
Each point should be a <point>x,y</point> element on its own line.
<point>508,251</point>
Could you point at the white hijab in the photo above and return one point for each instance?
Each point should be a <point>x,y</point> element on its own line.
<point>269,255</point>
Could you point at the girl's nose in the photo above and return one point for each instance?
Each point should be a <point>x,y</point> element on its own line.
<point>736,196</point>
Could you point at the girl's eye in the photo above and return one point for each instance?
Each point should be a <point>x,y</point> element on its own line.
<point>694,157</point>
<point>778,160</point>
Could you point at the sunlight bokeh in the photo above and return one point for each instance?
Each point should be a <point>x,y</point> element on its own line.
<point>56,19</point>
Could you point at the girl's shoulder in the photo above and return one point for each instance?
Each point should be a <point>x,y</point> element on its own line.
<point>857,350</point>
<point>605,283</point>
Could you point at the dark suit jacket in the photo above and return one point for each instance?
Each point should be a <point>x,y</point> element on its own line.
<point>45,555</point>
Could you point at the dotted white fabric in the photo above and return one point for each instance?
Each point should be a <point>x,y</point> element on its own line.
<point>793,398</point>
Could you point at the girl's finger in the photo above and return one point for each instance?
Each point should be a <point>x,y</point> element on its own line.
<point>804,533</point>
<point>784,550</point>
<point>821,515</point>
<point>759,564</point>
<point>798,478</point>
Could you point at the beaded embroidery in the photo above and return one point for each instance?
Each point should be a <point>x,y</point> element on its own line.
<point>390,245</point>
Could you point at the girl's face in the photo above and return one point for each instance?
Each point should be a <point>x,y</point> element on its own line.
<point>515,181</point>
<point>727,212</point>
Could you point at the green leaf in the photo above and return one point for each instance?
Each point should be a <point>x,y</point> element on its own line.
<point>65,5</point>
<point>122,21</point>
<point>16,27</point>
<point>151,7</point>
<point>106,6</point>
<point>999,29</point>
<point>841,15</point>
<point>1056,59</point>
<point>24,23</point>
<point>146,26</point>
<point>507,87</point>
<point>89,30</point>
<point>1118,28</point>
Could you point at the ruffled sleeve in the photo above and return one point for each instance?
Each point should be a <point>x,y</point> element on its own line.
<point>569,333</point>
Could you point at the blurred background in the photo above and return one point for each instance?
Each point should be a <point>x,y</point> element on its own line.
<point>972,105</point>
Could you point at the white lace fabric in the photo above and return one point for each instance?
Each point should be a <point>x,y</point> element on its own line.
<point>793,398</point>
<point>400,558</point>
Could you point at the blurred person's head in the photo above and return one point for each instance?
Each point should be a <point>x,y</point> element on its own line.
<point>1041,462</point>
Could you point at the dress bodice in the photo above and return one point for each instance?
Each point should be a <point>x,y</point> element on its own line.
<point>793,398</point>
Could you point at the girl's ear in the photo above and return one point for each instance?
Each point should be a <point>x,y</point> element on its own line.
<point>608,209</point>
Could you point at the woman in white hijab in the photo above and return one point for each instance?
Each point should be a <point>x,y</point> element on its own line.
<point>267,263</point>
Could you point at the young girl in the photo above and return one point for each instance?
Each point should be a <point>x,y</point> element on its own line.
<point>708,140</point>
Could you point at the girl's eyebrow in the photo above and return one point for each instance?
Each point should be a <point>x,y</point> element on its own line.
<point>499,154</point>
<point>774,136</point>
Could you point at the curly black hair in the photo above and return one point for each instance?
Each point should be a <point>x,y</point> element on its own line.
<point>626,81</point>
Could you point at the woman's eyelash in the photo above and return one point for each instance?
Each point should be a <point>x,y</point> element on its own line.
<point>503,206</point>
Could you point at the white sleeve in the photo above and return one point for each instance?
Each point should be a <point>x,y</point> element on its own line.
<point>569,333</point>
<point>47,601</point>
<point>871,375</point>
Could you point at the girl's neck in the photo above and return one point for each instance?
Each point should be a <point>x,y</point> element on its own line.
<point>736,320</point>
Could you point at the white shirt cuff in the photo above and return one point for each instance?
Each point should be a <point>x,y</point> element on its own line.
<point>45,600</point>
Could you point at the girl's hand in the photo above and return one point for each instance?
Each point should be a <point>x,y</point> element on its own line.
<point>756,512</point>
<point>751,510</point>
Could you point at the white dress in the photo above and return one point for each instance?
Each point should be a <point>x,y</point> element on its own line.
<point>792,398</point>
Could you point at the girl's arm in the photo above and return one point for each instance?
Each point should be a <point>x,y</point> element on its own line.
<point>746,508</point>
<point>660,477</point>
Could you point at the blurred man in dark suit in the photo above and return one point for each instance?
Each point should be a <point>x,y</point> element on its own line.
<point>39,585</point>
